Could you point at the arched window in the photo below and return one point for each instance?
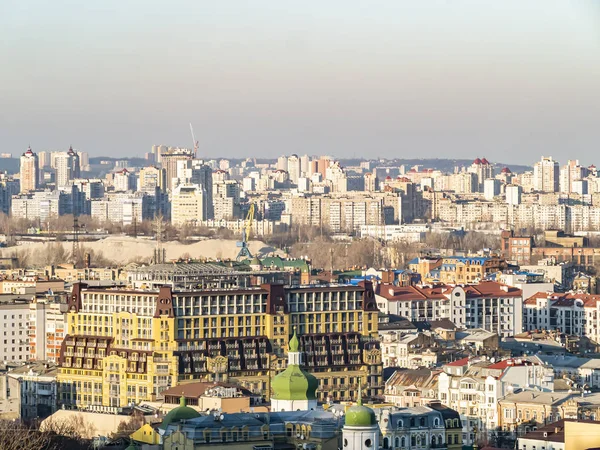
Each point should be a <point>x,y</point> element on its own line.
<point>436,422</point>
<point>386,442</point>
<point>440,439</point>
<point>433,441</point>
<point>403,442</point>
<point>397,442</point>
<point>400,424</point>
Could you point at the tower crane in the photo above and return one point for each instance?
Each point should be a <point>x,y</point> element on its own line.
<point>246,229</point>
<point>194,142</point>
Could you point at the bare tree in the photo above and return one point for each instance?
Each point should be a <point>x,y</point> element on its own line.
<point>127,427</point>
<point>15,435</point>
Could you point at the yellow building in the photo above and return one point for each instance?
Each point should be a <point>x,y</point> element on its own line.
<point>126,346</point>
<point>582,435</point>
<point>465,270</point>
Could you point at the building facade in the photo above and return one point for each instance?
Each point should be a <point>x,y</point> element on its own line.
<point>126,346</point>
<point>29,175</point>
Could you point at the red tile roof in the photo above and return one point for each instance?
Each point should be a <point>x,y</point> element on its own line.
<point>459,362</point>
<point>564,299</point>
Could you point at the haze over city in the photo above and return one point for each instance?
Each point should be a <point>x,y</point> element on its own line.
<point>388,78</point>
<point>280,225</point>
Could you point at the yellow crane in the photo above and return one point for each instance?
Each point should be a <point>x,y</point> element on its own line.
<point>246,229</point>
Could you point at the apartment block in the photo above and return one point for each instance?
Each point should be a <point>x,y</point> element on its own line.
<point>488,305</point>
<point>128,345</point>
<point>14,334</point>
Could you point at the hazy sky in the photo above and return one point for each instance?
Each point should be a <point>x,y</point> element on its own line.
<point>509,80</point>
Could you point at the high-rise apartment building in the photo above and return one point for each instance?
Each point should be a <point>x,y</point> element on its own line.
<point>491,188</point>
<point>151,178</point>
<point>124,181</point>
<point>305,165</point>
<point>513,194</point>
<point>546,175</point>
<point>14,333</point>
<point>41,205</point>
<point>282,163</point>
<point>67,167</point>
<point>169,163</point>
<point>44,159</point>
<point>194,171</point>
<point>294,168</point>
<point>30,171</point>
<point>570,173</point>
<point>188,204</point>
<point>84,161</point>
<point>483,169</point>
<point>226,200</point>
<point>47,329</point>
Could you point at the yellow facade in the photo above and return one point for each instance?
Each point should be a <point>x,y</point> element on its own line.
<point>582,435</point>
<point>126,346</point>
<point>146,434</point>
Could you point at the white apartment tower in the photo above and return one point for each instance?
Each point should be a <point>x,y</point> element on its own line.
<point>67,167</point>
<point>546,175</point>
<point>30,171</point>
<point>513,194</point>
<point>570,173</point>
<point>294,168</point>
<point>188,204</point>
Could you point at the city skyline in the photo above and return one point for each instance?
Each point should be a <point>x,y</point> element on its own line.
<point>392,80</point>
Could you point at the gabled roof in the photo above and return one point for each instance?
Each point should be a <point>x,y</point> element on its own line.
<point>417,378</point>
<point>459,363</point>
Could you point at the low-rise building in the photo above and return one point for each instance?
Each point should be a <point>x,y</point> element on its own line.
<point>412,387</point>
<point>473,388</point>
<point>409,351</point>
<point>569,313</point>
<point>37,388</point>
<point>488,305</point>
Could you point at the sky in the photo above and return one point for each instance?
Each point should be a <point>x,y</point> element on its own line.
<point>508,80</point>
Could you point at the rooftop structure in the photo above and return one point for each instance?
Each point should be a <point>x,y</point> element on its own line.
<point>199,275</point>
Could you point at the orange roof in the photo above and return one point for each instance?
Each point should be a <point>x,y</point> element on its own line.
<point>564,299</point>
<point>459,362</point>
<point>491,289</point>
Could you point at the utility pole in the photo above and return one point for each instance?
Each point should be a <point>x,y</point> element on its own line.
<point>75,249</point>
<point>159,253</point>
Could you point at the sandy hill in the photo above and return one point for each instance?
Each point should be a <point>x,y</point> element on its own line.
<point>123,249</point>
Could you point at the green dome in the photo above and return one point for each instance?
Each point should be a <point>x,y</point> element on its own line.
<point>294,384</point>
<point>359,415</point>
<point>182,412</point>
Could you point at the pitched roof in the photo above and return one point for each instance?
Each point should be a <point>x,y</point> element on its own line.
<point>195,390</point>
<point>459,363</point>
<point>420,378</point>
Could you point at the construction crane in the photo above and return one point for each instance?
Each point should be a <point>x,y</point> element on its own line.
<point>246,229</point>
<point>194,142</point>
